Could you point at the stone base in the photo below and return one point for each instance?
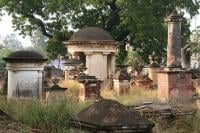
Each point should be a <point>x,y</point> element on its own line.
<point>89,91</point>
<point>121,86</point>
<point>175,85</point>
<point>142,82</point>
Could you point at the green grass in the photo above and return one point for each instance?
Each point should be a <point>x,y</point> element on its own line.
<point>48,118</point>
<point>181,124</point>
<point>135,97</point>
<point>54,117</point>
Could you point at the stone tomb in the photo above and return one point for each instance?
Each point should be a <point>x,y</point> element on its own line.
<point>96,48</point>
<point>121,81</point>
<point>109,116</point>
<point>25,74</point>
<point>174,83</point>
<point>56,93</point>
<point>89,87</point>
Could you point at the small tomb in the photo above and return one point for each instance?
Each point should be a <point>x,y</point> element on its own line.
<point>55,92</point>
<point>96,48</point>
<point>111,116</point>
<point>25,74</point>
<point>121,81</point>
<point>89,87</point>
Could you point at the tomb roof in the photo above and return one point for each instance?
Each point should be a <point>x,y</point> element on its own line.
<point>91,34</point>
<point>110,115</point>
<point>24,56</point>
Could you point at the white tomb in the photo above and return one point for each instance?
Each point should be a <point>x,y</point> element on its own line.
<point>96,48</point>
<point>24,75</point>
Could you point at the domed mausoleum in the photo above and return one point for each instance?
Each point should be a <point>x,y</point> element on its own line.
<point>24,74</point>
<point>96,48</point>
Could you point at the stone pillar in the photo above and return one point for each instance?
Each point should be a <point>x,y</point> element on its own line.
<point>113,64</point>
<point>10,84</point>
<point>105,66</point>
<point>40,83</point>
<point>88,62</point>
<point>174,41</point>
<point>175,84</point>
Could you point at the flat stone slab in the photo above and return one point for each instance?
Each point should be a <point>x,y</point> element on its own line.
<point>163,110</point>
<point>9,125</point>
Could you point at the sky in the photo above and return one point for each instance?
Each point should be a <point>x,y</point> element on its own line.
<point>6,29</point>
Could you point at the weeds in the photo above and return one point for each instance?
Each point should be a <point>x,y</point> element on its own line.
<point>48,118</point>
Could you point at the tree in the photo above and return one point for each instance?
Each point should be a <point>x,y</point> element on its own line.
<point>143,20</point>
<point>11,42</point>
<point>195,41</point>
<point>38,40</point>
<point>4,52</point>
<point>135,61</point>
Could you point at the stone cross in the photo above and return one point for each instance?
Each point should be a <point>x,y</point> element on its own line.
<point>174,40</point>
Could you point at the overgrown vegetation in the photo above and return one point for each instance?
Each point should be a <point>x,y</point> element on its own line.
<point>179,124</point>
<point>49,118</point>
<point>136,96</point>
<point>54,118</point>
<point>72,86</point>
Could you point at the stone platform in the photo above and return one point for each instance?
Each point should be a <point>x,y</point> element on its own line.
<point>175,85</point>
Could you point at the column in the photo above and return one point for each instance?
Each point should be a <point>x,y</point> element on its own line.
<point>40,84</point>
<point>113,63</point>
<point>88,62</point>
<point>105,73</point>
<point>174,40</point>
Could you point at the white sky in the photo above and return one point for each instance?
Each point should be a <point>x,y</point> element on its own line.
<point>6,29</point>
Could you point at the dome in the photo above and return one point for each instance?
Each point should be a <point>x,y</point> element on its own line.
<point>24,56</point>
<point>92,34</point>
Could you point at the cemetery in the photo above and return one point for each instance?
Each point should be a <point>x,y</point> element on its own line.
<point>135,74</point>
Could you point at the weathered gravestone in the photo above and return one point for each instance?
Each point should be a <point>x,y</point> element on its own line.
<point>89,87</point>
<point>55,92</point>
<point>24,74</point>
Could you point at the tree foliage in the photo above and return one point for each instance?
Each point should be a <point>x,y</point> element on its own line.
<point>134,60</point>
<point>143,20</point>
<point>38,39</point>
<point>4,52</point>
<point>195,41</point>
